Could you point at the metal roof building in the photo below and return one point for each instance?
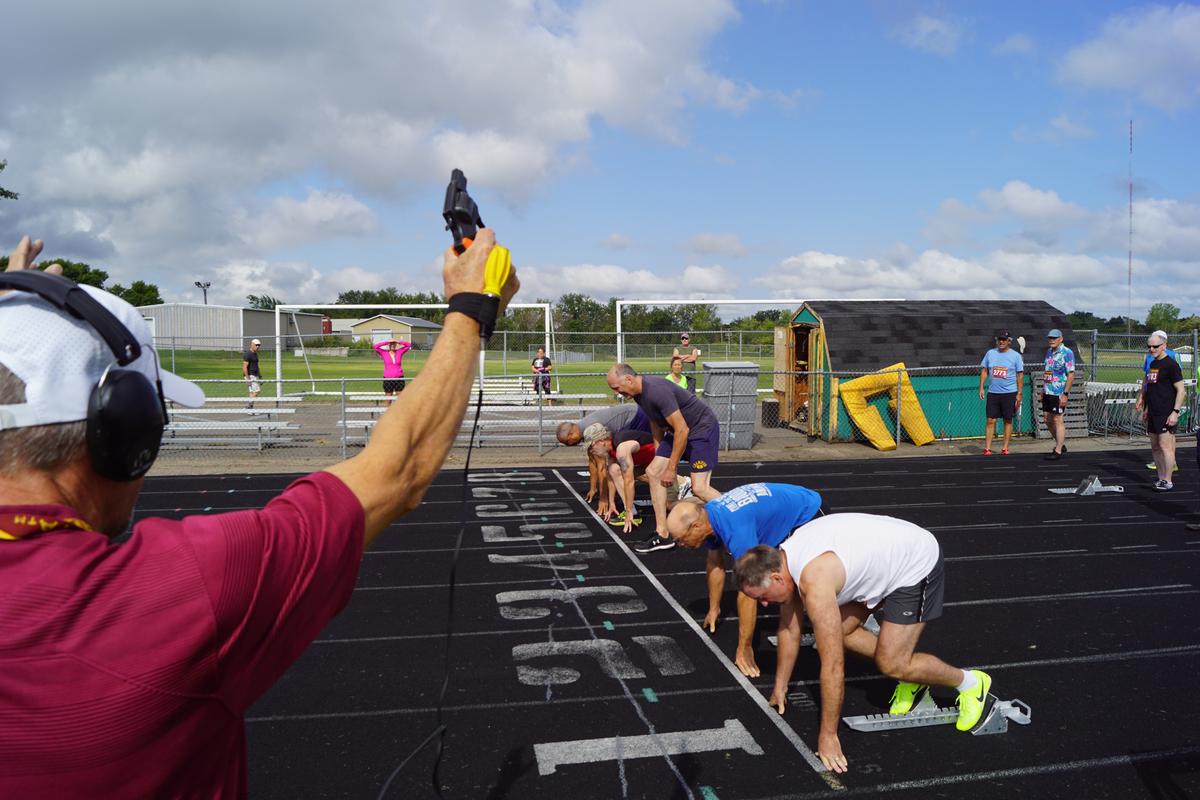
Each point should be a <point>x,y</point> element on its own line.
<point>194,326</point>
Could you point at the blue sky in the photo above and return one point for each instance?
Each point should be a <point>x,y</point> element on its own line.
<point>662,148</point>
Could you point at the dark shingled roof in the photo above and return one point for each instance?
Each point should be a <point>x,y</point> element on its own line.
<point>864,336</point>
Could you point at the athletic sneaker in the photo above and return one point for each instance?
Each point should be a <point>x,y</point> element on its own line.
<point>1164,486</point>
<point>1052,456</point>
<point>1004,452</point>
<point>1154,467</point>
<point>904,696</point>
<point>619,521</point>
<point>971,702</point>
<point>685,489</point>
<point>655,542</point>
<point>987,452</point>
<point>1193,526</point>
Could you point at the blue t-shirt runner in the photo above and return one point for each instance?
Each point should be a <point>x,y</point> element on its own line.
<point>759,513</point>
<point>1002,368</point>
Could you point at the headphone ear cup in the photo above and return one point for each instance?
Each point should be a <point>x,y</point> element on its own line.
<point>124,425</point>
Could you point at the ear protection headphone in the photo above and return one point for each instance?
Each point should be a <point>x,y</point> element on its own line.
<point>126,414</point>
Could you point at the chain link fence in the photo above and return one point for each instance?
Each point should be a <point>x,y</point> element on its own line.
<point>307,422</point>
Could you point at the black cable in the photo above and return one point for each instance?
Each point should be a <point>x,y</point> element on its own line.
<point>439,732</point>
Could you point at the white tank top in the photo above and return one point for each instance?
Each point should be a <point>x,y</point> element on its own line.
<point>880,554</point>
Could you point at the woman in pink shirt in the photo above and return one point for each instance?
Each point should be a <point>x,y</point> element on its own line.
<point>392,352</point>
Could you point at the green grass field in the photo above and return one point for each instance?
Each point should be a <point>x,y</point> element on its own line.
<point>364,371</point>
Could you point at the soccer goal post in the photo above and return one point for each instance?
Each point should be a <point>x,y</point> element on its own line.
<point>291,308</point>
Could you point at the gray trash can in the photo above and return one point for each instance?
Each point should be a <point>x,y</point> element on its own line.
<point>731,390</point>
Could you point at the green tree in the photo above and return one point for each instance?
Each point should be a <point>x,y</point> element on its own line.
<point>580,313</point>
<point>5,193</point>
<point>1162,316</point>
<point>263,301</point>
<point>391,296</point>
<point>139,293</point>
<point>1085,321</point>
<point>83,273</point>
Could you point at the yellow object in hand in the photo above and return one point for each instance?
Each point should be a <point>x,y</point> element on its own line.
<point>497,270</point>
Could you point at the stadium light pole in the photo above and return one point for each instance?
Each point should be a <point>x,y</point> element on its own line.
<point>203,286</point>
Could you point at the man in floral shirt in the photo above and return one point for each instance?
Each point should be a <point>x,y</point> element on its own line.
<point>1059,375</point>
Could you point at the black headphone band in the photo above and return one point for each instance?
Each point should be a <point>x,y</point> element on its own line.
<point>70,297</point>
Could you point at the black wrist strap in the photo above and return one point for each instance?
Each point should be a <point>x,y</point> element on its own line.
<point>480,307</point>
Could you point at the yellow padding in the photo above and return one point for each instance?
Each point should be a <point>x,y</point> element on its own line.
<point>855,394</point>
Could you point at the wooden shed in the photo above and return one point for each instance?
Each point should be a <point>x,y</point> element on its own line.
<point>941,342</point>
<point>381,327</point>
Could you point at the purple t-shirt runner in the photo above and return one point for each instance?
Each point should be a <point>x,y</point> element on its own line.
<point>660,398</point>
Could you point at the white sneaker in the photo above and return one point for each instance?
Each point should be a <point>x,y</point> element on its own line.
<point>685,489</point>
<point>1164,486</point>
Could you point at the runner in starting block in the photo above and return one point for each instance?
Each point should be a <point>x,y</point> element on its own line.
<point>837,569</point>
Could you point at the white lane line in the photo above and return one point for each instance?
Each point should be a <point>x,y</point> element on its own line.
<point>753,693</point>
<point>1000,774</point>
<point>1055,521</point>
<point>1132,516</point>
<point>1170,588</point>
<point>1132,546</point>
<point>966,527</point>
<point>1001,500</point>
<point>1001,556</point>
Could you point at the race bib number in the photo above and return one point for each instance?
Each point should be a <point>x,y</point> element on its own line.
<point>1048,377</point>
<point>1152,376</point>
<point>1000,372</point>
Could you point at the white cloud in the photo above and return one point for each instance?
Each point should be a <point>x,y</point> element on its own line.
<point>940,36</point>
<point>609,280</point>
<point>170,138</point>
<point>1020,44</point>
<point>721,244</point>
<point>616,241</point>
<point>1063,127</point>
<point>321,215</point>
<point>1152,53</point>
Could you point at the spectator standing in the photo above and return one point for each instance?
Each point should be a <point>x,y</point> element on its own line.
<point>1161,402</point>
<point>1057,378</point>
<point>1146,370</point>
<point>689,355</point>
<point>250,370</point>
<point>1003,373</point>
<point>541,366</point>
<point>676,375</point>
<point>392,352</point>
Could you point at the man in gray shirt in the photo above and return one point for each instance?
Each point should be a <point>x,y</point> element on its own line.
<point>684,428</point>
<point>615,418</point>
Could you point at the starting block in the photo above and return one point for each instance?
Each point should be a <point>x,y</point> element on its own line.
<point>1089,486</point>
<point>926,712</point>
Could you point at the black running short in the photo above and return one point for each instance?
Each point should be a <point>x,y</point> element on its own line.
<point>1158,424</point>
<point>920,602</point>
<point>1050,404</point>
<point>1001,406</point>
<point>393,385</point>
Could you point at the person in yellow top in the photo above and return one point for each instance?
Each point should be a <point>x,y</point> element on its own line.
<point>676,375</point>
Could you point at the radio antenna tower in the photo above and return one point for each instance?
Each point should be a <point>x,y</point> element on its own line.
<point>1129,278</point>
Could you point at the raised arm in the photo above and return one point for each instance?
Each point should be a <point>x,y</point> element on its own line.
<point>413,436</point>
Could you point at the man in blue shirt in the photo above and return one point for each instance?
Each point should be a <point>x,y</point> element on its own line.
<point>734,522</point>
<point>1007,371</point>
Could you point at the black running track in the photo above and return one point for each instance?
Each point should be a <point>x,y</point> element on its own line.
<point>578,670</point>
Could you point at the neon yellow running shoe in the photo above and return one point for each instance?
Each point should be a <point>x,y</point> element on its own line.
<point>904,697</point>
<point>619,521</point>
<point>971,702</point>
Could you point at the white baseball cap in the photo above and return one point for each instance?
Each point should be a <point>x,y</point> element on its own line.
<point>61,358</point>
<point>255,341</point>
